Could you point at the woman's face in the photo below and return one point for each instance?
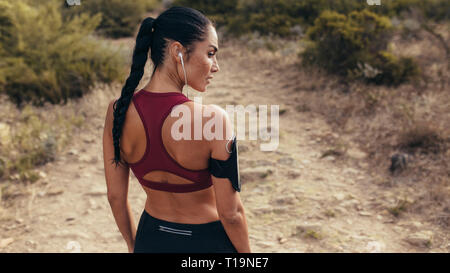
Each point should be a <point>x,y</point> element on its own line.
<point>203,62</point>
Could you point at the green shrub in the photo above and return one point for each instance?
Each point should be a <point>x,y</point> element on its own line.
<point>393,70</point>
<point>354,46</point>
<point>46,59</point>
<point>220,12</point>
<point>280,17</point>
<point>209,7</point>
<point>246,16</point>
<point>437,10</point>
<point>119,18</point>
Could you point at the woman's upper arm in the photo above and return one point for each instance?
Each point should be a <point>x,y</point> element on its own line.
<point>117,178</point>
<point>227,199</point>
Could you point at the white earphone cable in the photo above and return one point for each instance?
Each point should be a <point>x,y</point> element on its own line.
<point>184,70</point>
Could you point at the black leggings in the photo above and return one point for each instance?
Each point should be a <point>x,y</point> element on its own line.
<point>159,236</point>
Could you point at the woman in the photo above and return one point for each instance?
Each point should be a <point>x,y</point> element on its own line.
<point>187,208</point>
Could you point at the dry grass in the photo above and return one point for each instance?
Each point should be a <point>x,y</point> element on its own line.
<point>412,118</point>
<point>35,135</point>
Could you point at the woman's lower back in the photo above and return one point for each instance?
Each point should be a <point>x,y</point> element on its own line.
<point>197,207</point>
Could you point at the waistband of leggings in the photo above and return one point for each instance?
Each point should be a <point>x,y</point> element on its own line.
<point>198,227</point>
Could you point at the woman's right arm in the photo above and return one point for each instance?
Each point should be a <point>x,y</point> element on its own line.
<point>228,201</point>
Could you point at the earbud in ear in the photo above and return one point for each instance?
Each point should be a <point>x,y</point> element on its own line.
<point>180,54</point>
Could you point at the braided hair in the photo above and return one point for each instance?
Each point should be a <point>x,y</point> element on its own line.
<point>182,24</point>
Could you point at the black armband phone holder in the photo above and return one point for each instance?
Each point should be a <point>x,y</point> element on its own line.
<point>227,168</point>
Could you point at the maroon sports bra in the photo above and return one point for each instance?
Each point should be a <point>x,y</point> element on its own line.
<point>153,108</point>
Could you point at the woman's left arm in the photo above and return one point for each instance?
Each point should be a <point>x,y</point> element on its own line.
<point>117,179</point>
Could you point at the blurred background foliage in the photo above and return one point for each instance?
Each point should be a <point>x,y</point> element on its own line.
<point>281,16</point>
<point>60,55</point>
<point>118,18</point>
<point>345,37</point>
<point>355,46</point>
<point>51,52</point>
<point>50,58</point>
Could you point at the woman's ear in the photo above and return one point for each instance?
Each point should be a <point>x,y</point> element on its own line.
<point>175,49</point>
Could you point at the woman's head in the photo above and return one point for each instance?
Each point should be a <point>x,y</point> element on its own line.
<point>187,31</point>
<point>178,29</point>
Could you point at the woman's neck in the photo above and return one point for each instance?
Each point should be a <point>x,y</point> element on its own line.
<point>163,82</point>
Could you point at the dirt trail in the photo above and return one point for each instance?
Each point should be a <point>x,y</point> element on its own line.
<point>295,200</point>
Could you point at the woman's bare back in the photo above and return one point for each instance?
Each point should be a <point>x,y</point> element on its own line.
<point>192,207</point>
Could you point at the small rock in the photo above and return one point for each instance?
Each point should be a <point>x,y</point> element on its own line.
<point>341,210</point>
<point>281,239</point>
<point>351,204</point>
<point>365,213</point>
<point>399,162</point>
<point>330,158</point>
<point>72,152</point>
<point>286,161</point>
<point>19,220</point>
<point>42,174</point>
<point>356,153</point>
<point>304,227</point>
<point>340,196</point>
<point>31,243</point>
<point>288,199</point>
<point>93,204</point>
<point>55,191</point>
<point>361,177</point>
<point>420,239</point>
<point>257,173</point>
<point>416,224</point>
<point>375,247</point>
<point>5,242</point>
<point>15,176</point>
<point>293,174</point>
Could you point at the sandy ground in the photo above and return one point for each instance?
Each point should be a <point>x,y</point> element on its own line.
<point>295,200</point>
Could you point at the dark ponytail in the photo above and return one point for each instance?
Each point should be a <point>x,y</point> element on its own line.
<point>181,24</point>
